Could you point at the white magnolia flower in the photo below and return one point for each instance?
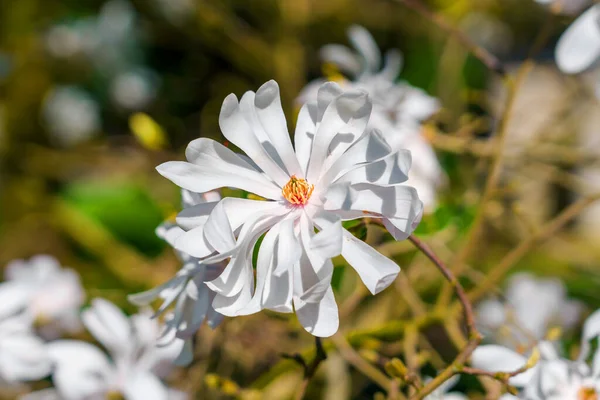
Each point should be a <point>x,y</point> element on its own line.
<point>578,49</point>
<point>553,377</point>
<point>441,393</point>
<point>398,108</point>
<point>71,115</point>
<point>84,372</point>
<point>51,296</point>
<point>23,356</point>
<point>532,307</point>
<point>192,298</point>
<point>337,171</point>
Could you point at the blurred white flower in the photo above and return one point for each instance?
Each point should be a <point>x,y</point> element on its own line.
<point>552,377</point>
<point>23,356</point>
<point>532,307</point>
<point>578,49</point>
<point>50,295</point>
<point>71,115</point>
<point>192,298</point>
<point>337,171</point>
<point>133,370</point>
<point>441,393</point>
<point>398,108</point>
<point>566,6</point>
<point>134,89</point>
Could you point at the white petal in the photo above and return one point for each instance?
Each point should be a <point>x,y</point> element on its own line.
<point>366,46</point>
<point>195,216</point>
<point>229,306</point>
<point>579,46</point>
<point>398,203</point>
<point>169,232</point>
<point>75,384</point>
<point>288,248</point>
<point>264,267</point>
<point>392,65</point>
<point>343,123</point>
<point>496,358</point>
<point>270,113</point>
<point>390,170</point>
<point>328,242</point>
<point>78,355</point>
<point>213,166</point>
<point>341,56</point>
<point>23,357</point>
<point>375,270</point>
<point>591,330</point>
<point>108,324</point>
<point>278,292</point>
<point>217,230</point>
<point>194,243</point>
<point>238,210</point>
<point>144,386</point>
<point>369,148</point>
<point>237,129</point>
<point>306,127</point>
<point>320,319</point>
<point>14,297</point>
<point>326,94</point>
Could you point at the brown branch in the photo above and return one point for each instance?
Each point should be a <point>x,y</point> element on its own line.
<point>474,336</point>
<point>310,369</point>
<point>487,58</point>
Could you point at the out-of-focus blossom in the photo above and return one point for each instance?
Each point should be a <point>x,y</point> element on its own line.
<point>398,108</point>
<point>565,6</point>
<point>578,49</point>
<point>23,356</point>
<point>71,115</point>
<point>532,307</point>
<point>133,90</point>
<point>176,11</point>
<point>552,377</point>
<point>337,171</point>
<point>50,295</point>
<point>441,393</point>
<point>192,298</point>
<point>133,370</point>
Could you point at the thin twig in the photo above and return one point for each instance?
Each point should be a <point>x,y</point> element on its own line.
<point>310,369</point>
<point>474,336</point>
<point>487,58</point>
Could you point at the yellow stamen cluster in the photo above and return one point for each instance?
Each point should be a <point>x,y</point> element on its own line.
<point>297,191</point>
<point>587,393</point>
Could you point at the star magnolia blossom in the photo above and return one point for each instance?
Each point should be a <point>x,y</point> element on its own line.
<point>23,356</point>
<point>337,171</point>
<point>578,49</point>
<point>553,377</point>
<point>398,108</point>
<point>51,295</point>
<point>532,307</point>
<point>83,372</point>
<point>193,298</point>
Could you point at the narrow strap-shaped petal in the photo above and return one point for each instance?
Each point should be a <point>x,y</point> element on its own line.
<point>320,319</point>
<point>364,43</point>
<point>288,247</point>
<point>579,47</point>
<point>343,123</point>
<point>237,130</point>
<point>392,65</point>
<point>306,127</point>
<point>344,58</point>
<point>390,170</point>
<point>109,325</point>
<point>270,114</point>
<point>375,270</point>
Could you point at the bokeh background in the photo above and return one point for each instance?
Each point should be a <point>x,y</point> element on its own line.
<point>77,160</point>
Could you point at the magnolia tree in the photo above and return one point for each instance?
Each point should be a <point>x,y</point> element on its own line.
<point>271,218</point>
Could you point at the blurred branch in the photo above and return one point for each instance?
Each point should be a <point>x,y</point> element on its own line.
<point>491,183</point>
<point>310,369</point>
<point>474,336</point>
<point>487,58</point>
<point>496,273</point>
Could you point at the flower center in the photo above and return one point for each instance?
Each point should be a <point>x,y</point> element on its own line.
<point>587,393</point>
<point>114,395</point>
<point>297,191</point>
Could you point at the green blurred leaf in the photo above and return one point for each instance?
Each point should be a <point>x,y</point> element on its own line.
<point>123,208</point>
